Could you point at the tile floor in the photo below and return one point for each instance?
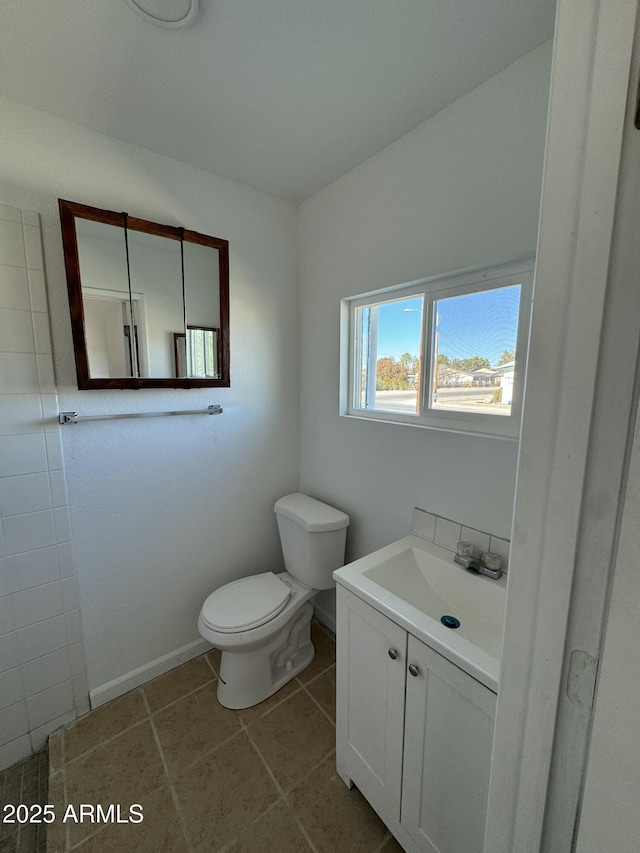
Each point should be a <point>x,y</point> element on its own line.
<point>24,783</point>
<point>211,779</point>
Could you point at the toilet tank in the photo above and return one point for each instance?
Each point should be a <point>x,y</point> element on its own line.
<point>313,536</point>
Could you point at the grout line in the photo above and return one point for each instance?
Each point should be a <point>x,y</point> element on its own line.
<point>174,796</point>
<point>208,662</point>
<point>319,706</point>
<point>283,795</point>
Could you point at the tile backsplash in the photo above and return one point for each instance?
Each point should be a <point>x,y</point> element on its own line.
<point>43,681</point>
<point>447,534</point>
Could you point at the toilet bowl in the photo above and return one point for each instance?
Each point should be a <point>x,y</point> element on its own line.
<point>261,623</point>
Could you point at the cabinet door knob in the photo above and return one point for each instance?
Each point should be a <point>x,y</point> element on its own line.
<point>393,654</point>
<point>413,669</point>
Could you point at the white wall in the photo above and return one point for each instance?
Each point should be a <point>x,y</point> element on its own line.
<point>461,190</point>
<point>43,682</point>
<point>164,510</point>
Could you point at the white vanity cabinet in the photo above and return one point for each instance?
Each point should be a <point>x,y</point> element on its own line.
<point>414,732</point>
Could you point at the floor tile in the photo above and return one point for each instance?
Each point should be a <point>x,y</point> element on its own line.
<point>121,771</point>
<point>177,683</point>
<point>57,831</point>
<point>104,723</point>
<point>225,791</point>
<point>192,726</point>
<point>336,819</point>
<point>277,830</point>
<point>293,738</point>
<point>159,832</point>
<point>391,846</point>
<point>24,783</point>
<point>325,656</point>
<point>323,690</point>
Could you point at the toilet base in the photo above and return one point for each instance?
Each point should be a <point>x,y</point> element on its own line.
<point>248,678</point>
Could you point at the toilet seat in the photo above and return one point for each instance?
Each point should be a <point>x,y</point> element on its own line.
<point>245,603</point>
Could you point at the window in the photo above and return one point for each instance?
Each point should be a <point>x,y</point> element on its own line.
<point>446,352</point>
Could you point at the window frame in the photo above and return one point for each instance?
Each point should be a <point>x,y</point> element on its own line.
<point>458,283</point>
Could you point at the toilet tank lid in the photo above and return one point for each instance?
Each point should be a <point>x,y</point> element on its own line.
<point>311,514</point>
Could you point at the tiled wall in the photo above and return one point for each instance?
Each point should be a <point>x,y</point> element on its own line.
<point>42,671</point>
<point>448,533</point>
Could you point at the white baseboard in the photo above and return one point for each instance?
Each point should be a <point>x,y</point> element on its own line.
<point>112,689</point>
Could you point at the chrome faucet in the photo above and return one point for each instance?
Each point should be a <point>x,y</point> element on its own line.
<point>476,564</point>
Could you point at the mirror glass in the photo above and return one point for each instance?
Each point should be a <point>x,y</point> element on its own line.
<point>149,302</point>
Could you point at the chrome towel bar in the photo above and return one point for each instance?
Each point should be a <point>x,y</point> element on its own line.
<point>74,417</point>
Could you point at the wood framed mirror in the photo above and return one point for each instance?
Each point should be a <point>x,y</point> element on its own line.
<point>149,303</point>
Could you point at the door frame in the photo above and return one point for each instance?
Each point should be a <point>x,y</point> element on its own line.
<point>588,99</point>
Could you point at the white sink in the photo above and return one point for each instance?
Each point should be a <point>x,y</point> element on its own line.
<point>416,583</point>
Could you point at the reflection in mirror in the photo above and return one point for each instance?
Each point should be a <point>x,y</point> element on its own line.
<point>131,303</point>
<point>197,354</point>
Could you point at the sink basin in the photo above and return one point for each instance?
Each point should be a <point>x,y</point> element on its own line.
<point>416,583</point>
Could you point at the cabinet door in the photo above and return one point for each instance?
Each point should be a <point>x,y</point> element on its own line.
<point>448,737</point>
<point>371,661</point>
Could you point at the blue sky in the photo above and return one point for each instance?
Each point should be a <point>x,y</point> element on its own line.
<point>481,324</point>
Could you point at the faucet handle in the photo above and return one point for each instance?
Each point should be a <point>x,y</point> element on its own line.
<point>491,561</point>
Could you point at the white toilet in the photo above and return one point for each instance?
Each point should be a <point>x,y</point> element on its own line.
<point>261,623</point>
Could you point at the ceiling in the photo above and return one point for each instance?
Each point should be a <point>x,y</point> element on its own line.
<point>282,95</point>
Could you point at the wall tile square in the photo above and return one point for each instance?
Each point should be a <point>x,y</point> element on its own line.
<point>46,376</point>
<point>18,373</point>
<point>37,604</point>
<point>58,487</point>
<point>33,568</point>
<point>424,524</point>
<point>42,333</point>
<point>53,443</point>
<point>12,248</point>
<point>74,628</point>
<point>50,703</point>
<point>28,532</point>
<point>37,640</point>
<point>20,413</point>
<point>22,454</point>
<point>13,214</point>
<point>38,291</point>
<point>39,736</point>
<point>447,533</point>
<point>480,541</point>
<point>24,493</point>
<point>3,550</point>
<point>501,547</point>
<point>16,331</point>
<point>13,722</point>
<point>15,751</point>
<point>11,690</point>
<point>65,556</point>
<point>50,421</point>
<point>81,693</point>
<point>76,659</point>
<point>5,588</point>
<point>14,288</point>
<point>33,245</point>
<point>63,527</point>
<point>70,593</point>
<point>42,673</point>
<point>7,616</point>
<point>9,651</point>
